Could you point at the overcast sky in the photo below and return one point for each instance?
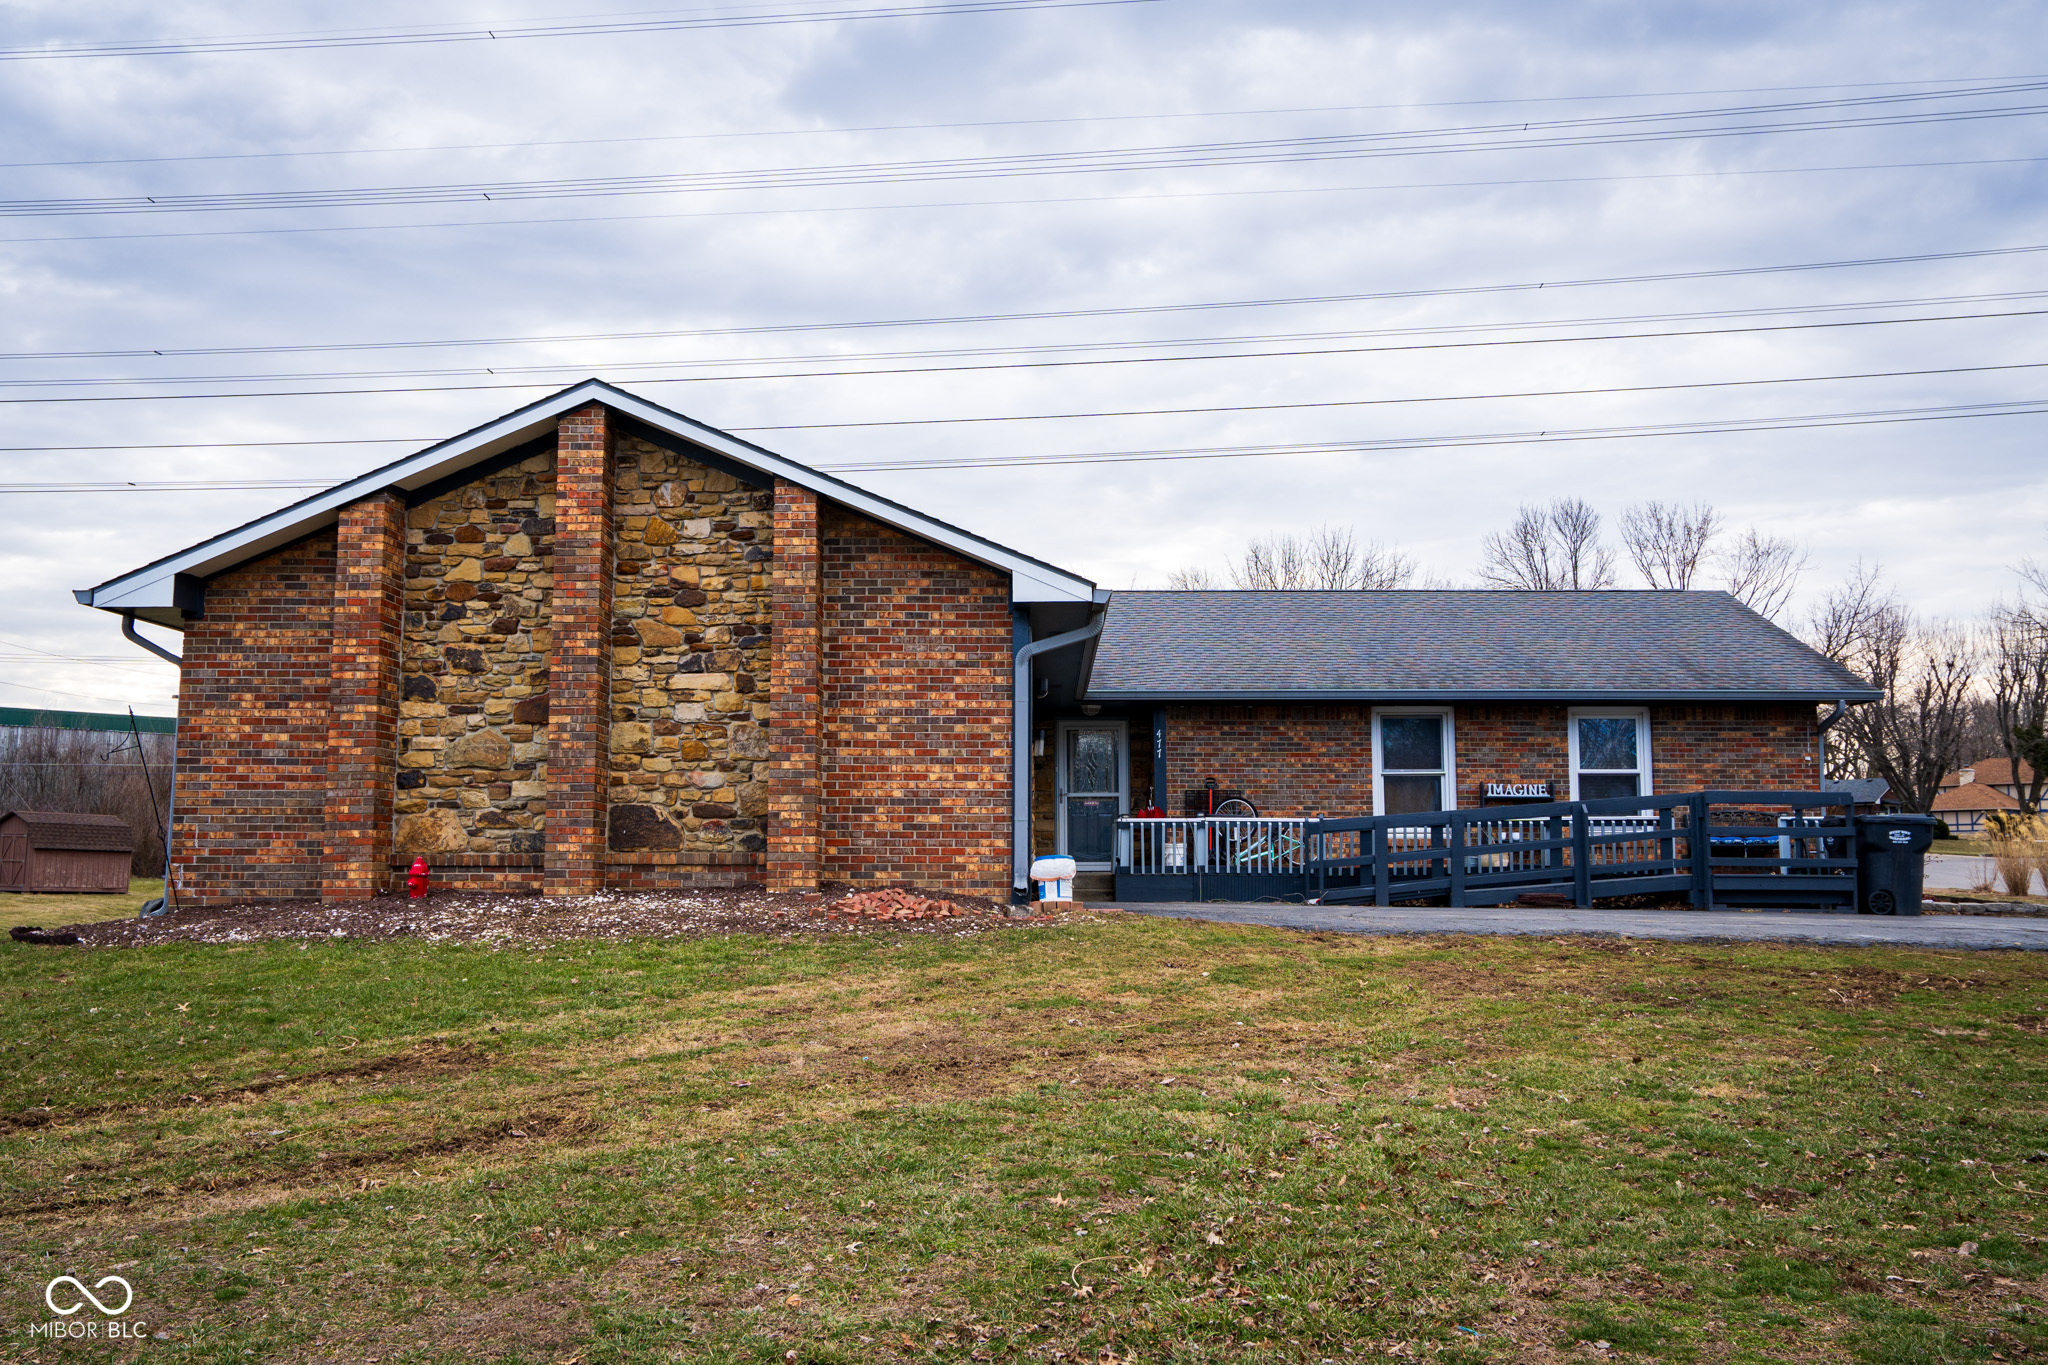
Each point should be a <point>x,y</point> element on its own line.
<point>1086,160</point>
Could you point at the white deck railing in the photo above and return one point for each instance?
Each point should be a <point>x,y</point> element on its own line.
<point>1182,846</point>
<point>1210,845</point>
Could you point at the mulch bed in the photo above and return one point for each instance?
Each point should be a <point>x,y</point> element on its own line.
<point>488,917</point>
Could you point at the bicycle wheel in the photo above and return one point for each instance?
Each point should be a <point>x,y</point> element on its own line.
<point>1236,808</point>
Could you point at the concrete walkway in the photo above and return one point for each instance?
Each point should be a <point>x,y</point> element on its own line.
<point>1925,931</point>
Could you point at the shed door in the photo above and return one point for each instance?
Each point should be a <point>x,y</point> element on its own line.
<point>14,861</point>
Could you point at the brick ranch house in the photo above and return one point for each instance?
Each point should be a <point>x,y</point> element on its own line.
<point>1382,703</point>
<point>597,644</point>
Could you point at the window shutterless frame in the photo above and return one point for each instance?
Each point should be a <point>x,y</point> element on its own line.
<point>1641,771</point>
<point>1446,772</point>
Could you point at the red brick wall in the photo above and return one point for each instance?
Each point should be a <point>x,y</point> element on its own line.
<point>1298,760</point>
<point>1519,742</point>
<point>1764,746</point>
<point>579,667</point>
<point>1287,759</point>
<point>686,868</point>
<point>914,751</point>
<point>252,731</point>
<point>793,733</point>
<point>362,724</point>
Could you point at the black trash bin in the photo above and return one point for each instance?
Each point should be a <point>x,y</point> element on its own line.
<point>1891,854</point>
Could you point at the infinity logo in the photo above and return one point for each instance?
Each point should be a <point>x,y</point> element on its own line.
<point>86,1296</point>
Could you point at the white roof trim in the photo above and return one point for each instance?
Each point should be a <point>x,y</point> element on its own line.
<point>148,590</point>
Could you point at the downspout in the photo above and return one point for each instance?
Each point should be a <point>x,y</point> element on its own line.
<point>1020,742</point>
<point>159,905</point>
<point>128,633</point>
<point>1827,723</point>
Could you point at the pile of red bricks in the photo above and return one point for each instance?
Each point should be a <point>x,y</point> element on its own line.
<point>896,905</point>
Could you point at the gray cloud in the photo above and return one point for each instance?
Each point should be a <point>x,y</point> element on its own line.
<point>1944,505</point>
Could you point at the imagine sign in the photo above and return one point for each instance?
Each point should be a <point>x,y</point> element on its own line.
<point>1518,791</point>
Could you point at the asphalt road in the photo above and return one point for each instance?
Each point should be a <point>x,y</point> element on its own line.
<point>1924,931</point>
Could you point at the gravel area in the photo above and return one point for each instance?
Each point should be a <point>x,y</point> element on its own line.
<point>481,917</point>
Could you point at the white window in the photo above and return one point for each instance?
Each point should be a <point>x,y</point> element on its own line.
<point>1610,752</point>
<point>1414,760</point>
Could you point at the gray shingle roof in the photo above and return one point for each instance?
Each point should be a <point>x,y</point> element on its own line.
<point>1444,644</point>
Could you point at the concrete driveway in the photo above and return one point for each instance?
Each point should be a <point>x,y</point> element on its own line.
<point>1927,931</point>
<point>1962,872</point>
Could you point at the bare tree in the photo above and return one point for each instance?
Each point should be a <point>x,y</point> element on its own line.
<point>1919,728</point>
<point>1328,557</point>
<point>1549,548</point>
<point>1667,541</point>
<point>2018,704</point>
<point>1763,571</point>
<point>94,772</point>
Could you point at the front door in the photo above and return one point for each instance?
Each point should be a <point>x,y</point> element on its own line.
<point>1091,791</point>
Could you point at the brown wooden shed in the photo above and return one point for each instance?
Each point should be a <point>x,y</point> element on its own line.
<point>60,851</point>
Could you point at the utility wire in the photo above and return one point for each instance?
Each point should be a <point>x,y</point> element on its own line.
<point>1957,86</point>
<point>1876,417</point>
<point>1552,135</point>
<point>1041,364</point>
<point>1048,348</point>
<point>58,692</point>
<point>1130,412</point>
<point>165,47</point>
<point>1139,310</point>
<point>1036,201</point>
<point>1548,436</point>
<point>1950,89</point>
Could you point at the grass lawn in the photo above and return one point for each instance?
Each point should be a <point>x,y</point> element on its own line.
<point>53,910</point>
<point>1121,1139</point>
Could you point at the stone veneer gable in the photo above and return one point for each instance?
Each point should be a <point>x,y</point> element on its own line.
<point>473,714</point>
<point>691,626</point>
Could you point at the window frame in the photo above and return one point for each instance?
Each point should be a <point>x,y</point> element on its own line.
<point>1450,761</point>
<point>1645,785</point>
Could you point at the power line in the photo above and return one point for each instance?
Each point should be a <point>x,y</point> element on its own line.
<point>1051,417</point>
<point>1548,436</point>
<point>1041,364</point>
<point>123,662</point>
<point>228,445</point>
<point>1138,310</point>
<point>1211,410</point>
<point>1957,85</point>
<point>397,38</point>
<point>194,485</point>
<point>1038,201</point>
<point>1876,417</point>
<point>1049,348</point>
<point>59,692</point>
<point>1554,135</point>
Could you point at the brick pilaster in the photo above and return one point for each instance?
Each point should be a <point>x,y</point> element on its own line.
<point>793,690</point>
<point>362,715</point>
<point>579,664</point>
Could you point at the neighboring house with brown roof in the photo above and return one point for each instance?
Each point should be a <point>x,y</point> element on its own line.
<point>1996,773</point>
<point>1967,805</point>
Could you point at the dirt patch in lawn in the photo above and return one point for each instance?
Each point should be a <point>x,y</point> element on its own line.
<point>463,916</point>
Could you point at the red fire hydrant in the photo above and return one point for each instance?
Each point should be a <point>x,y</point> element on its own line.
<point>416,880</point>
